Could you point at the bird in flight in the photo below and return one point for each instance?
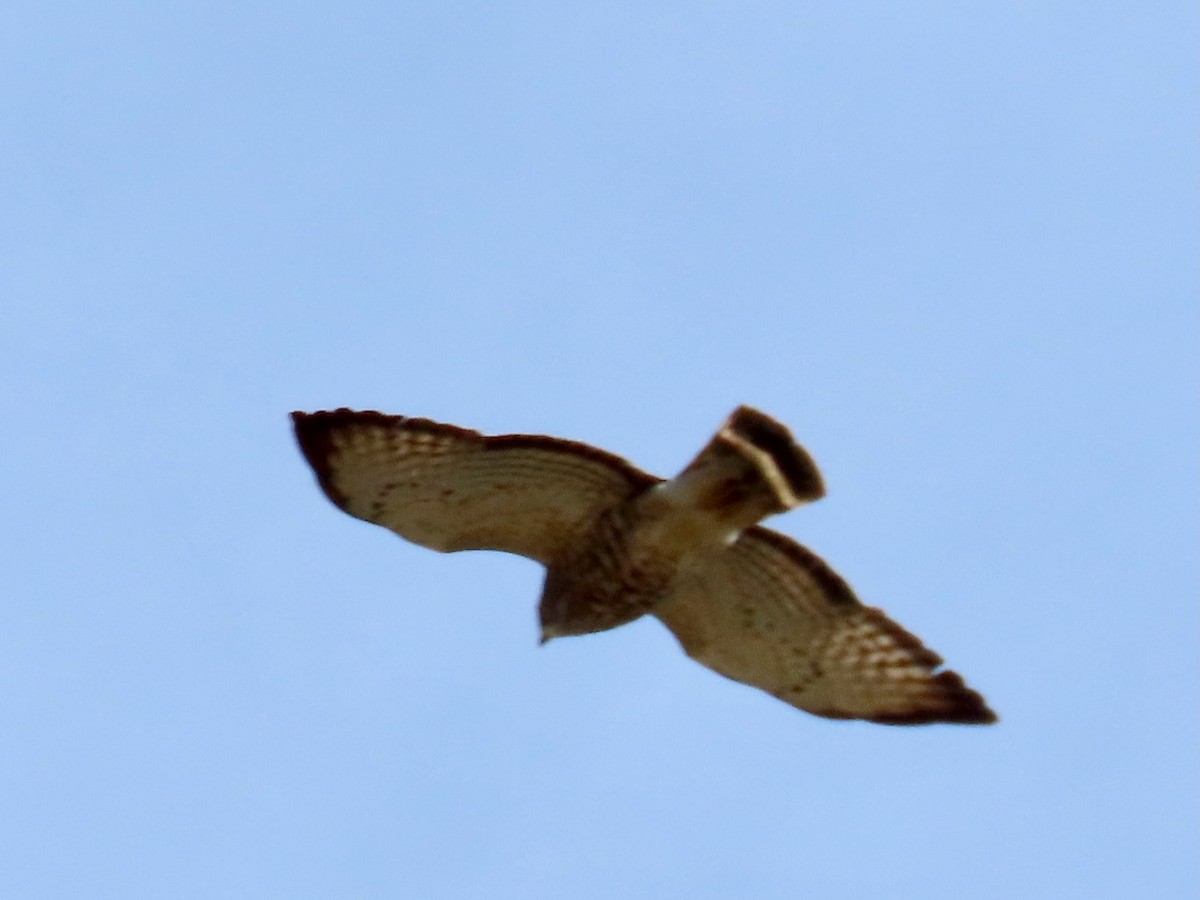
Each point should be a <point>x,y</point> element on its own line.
<point>618,544</point>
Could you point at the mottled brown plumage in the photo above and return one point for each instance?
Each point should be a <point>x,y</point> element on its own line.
<point>618,543</point>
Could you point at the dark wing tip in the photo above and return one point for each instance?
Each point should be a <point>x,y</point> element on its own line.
<point>314,435</point>
<point>315,432</point>
<point>950,701</point>
<point>773,438</point>
<point>946,698</point>
<point>313,429</point>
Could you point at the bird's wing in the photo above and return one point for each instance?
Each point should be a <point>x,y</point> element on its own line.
<point>769,613</point>
<point>449,488</point>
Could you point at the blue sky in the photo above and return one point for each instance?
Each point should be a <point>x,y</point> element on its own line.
<point>951,245</point>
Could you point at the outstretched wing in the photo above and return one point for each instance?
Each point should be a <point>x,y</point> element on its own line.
<point>769,613</point>
<point>450,488</point>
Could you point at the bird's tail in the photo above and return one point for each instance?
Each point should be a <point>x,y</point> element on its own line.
<point>752,468</point>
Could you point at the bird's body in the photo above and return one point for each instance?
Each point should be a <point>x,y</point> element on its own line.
<point>619,544</point>
<point>628,562</point>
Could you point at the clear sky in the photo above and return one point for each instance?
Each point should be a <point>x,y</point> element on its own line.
<point>952,245</point>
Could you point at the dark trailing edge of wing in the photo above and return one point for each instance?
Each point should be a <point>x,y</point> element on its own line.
<point>832,584</point>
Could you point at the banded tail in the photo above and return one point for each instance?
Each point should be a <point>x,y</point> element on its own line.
<point>752,468</point>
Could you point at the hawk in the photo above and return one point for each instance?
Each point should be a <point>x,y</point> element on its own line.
<point>618,543</point>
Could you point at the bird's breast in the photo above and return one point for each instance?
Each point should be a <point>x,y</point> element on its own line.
<point>623,567</point>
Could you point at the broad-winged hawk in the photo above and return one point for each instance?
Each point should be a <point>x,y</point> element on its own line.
<point>618,543</point>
